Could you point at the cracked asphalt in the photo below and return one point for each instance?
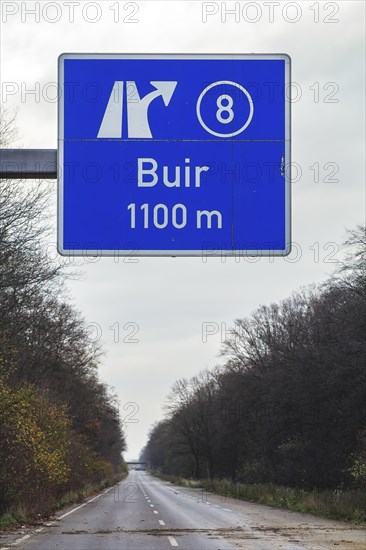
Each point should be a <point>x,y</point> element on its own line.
<point>145,513</point>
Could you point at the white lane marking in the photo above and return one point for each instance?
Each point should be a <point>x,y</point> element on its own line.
<point>18,541</point>
<point>156,512</point>
<point>152,506</point>
<point>50,523</point>
<point>161,522</point>
<point>172,541</point>
<point>25,537</point>
<point>78,507</point>
<point>74,510</point>
<point>227,509</point>
<point>216,506</point>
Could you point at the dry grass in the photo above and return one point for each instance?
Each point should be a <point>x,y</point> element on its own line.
<point>338,504</point>
<point>16,517</point>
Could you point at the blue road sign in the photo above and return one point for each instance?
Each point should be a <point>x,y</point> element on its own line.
<point>174,155</point>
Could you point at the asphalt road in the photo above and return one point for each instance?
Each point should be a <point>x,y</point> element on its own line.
<point>144,513</point>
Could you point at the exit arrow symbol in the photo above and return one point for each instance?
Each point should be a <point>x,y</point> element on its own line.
<point>137,108</point>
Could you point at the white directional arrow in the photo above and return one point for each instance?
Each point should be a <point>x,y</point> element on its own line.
<point>165,89</point>
<point>137,108</point>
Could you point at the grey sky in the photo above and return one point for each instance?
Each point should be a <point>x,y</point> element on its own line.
<point>168,298</point>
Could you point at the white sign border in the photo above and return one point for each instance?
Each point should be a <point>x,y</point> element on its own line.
<point>173,253</point>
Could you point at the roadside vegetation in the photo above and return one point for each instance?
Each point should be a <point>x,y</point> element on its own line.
<point>282,420</point>
<point>60,432</point>
<point>347,505</point>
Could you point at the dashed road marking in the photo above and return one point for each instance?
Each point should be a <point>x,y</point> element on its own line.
<point>172,541</point>
<point>227,509</point>
<point>152,506</point>
<point>156,512</point>
<point>161,522</point>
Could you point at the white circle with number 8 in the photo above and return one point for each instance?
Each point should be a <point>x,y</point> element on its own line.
<point>225,107</point>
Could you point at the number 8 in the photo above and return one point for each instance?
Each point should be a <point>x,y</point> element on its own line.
<point>224,109</point>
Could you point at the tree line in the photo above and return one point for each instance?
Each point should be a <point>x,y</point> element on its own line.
<point>287,406</point>
<point>59,424</point>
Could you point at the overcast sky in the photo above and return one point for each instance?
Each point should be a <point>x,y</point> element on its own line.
<point>162,303</point>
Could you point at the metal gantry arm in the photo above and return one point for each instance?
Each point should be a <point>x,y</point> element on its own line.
<point>28,163</point>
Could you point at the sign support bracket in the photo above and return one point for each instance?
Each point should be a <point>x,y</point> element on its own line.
<point>28,163</point>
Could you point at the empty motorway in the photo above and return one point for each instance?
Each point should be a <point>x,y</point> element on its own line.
<point>145,513</point>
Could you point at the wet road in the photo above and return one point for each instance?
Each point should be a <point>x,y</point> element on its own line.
<point>145,513</point>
